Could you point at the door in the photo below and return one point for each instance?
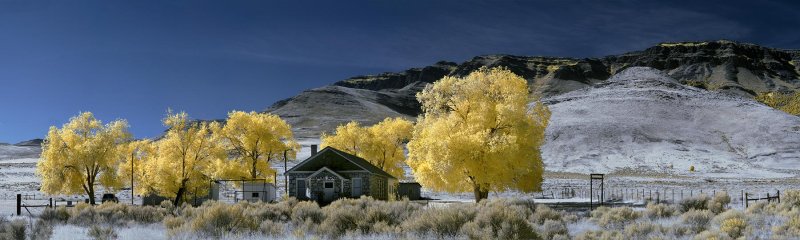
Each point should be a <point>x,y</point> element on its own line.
<point>327,191</point>
<point>356,187</point>
<point>301,189</point>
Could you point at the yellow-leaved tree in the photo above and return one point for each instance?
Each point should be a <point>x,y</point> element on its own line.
<point>254,139</point>
<point>80,155</point>
<point>787,102</point>
<point>136,158</point>
<point>477,133</point>
<point>380,144</point>
<point>185,157</point>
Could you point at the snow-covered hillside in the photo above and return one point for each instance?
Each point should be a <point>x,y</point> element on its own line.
<point>15,152</point>
<point>642,120</point>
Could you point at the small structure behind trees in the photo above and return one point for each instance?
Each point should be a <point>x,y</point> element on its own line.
<point>410,190</point>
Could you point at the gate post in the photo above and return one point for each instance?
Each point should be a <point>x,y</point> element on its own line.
<point>19,204</point>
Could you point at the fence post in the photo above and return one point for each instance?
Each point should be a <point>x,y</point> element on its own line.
<point>741,197</point>
<point>19,204</point>
<point>746,200</point>
<point>779,196</point>
<point>51,202</point>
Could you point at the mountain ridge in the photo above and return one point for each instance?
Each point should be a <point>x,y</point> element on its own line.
<point>736,68</point>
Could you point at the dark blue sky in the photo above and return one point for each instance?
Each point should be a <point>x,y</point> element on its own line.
<point>135,59</point>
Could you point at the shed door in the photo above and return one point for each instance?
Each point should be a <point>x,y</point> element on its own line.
<point>328,191</point>
<point>356,187</point>
<point>301,189</point>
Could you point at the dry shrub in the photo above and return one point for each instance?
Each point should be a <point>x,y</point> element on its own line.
<point>172,223</point>
<point>717,203</point>
<point>12,229</point>
<point>543,213</point>
<point>97,232</point>
<point>757,208</point>
<point>366,216</point>
<point>697,220</point>
<point>730,214</point>
<point>732,222</point>
<point>679,230</point>
<point>614,218</point>
<point>643,230</point>
<point>216,219</point>
<point>442,222</point>
<point>271,228</point>
<point>553,228</point>
<point>83,214</point>
<point>43,230</point>
<point>276,212</point>
<point>697,203</point>
<point>712,235</point>
<point>498,219</point>
<point>791,198</point>
<point>58,214</point>
<point>791,228</point>
<point>307,211</point>
<point>655,211</point>
<point>600,235</point>
<point>734,227</point>
<point>106,213</point>
<point>560,237</point>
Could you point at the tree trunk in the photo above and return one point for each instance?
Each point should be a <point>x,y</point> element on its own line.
<point>91,194</point>
<point>253,171</point>
<point>480,194</point>
<point>179,195</point>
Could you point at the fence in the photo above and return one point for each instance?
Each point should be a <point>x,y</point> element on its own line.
<point>28,205</point>
<point>739,197</point>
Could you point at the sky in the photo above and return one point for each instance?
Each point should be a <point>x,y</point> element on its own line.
<point>134,60</point>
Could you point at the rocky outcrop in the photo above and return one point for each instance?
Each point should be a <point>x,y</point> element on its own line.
<point>723,66</point>
<point>399,80</point>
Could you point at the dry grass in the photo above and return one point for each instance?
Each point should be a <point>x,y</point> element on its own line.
<point>365,218</point>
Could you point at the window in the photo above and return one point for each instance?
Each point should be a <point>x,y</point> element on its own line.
<point>329,185</point>
<point>255,195</point>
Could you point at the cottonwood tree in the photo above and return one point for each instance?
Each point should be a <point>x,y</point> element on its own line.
<point>381,144</point>
<point>254,139</point>
<point>137,158</point>
<point>477,133</point>
<point>80,155</point>
<point>186,157</point>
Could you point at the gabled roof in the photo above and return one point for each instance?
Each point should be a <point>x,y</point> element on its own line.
<point>360,162</point>
<point>326,169</point>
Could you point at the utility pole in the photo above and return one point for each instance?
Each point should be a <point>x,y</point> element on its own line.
<point>285,178</point>
<point>132,181</point>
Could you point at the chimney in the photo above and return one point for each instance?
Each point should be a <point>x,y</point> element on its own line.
<point>313,149</point>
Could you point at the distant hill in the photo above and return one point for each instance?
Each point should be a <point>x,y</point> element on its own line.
<point>641,120</point>
<point>31,143</point>
<point>724,66</point>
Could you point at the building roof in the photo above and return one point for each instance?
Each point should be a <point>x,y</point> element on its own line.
<point>362,163</point>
